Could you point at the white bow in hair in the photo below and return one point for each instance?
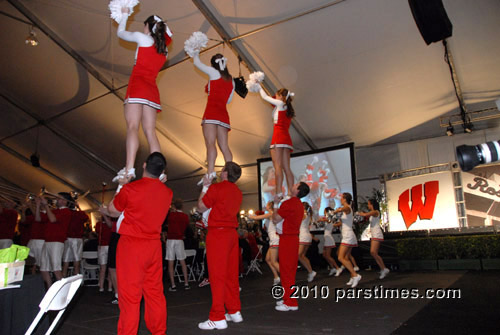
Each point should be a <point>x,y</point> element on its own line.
<point>290,94</point>
<point>158,20</point>
<point>222,63</point>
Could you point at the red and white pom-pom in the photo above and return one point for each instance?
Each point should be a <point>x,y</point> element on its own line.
<point>253,84</point>
<point>195,43</point>
<point>115,6</point>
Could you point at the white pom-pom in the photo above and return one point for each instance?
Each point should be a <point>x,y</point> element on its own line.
<point>253,84</point>
<point>195,43</point>
<point>115,6</point>
<point>257,76</point>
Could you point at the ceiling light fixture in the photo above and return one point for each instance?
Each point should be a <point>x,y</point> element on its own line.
<point>31,38</point>
<point>450,130</point>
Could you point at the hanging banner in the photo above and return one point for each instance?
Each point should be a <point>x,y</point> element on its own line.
<point>482,195</point>
<point>422,202</point>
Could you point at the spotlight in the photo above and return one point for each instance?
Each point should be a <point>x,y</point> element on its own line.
<point>31,38</point>
<point>450,130</point>
<point>468,126</point>
<point>35,159</point>
<point>471,155</point>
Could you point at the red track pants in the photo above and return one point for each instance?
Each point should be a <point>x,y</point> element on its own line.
<point>222,258</point>
<point>139,271</point>
<point>288,254</point>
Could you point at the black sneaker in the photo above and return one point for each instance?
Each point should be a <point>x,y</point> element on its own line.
<point>172,289</point>
<point>114,301</point>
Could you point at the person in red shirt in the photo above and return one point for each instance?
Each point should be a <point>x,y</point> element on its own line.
<point>55,235</point>
<point>25,223</point>
<point>103,230</point>
<point>37,238</point>
<point>177,222</point>
<point>139,265</point>
<point>222,247</point>
<point>8,222</point>
<point>73,246</point>
<point>288,219</point>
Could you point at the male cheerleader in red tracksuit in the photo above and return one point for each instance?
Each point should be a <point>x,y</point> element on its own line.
<point>223,250</point>
<point>139,266</point>
<point>291,211</point>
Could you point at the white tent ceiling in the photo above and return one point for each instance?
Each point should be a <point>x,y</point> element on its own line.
<point>360,69</point>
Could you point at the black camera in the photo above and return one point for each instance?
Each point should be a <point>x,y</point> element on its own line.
<point>470,156</point>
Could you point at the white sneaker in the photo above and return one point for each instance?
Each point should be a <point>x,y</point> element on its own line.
<point>131,173</point>
<point>384,273</point>
<point>279,302</point>
<point>276,281</point>
<point>209,176</point>
<point>355,281</point>
<point>210,325</point>
<point>235,317</point>
<point>342,267</point>
<point>350,281</point>
<point>356,269</point>
<point>338,272</point>
<point>332,271</point>
<point>121,174</point>
<point>310,276</point>
<point>286,308</point>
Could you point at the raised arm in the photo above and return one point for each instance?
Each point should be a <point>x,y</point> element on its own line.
<point>267,98</point>
<point>212,73</point>
<point>141,39</point>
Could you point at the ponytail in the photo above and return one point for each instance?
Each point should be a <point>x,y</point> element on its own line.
<point>158,30</point>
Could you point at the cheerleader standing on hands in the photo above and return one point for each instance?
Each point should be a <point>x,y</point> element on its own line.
<point>142,100</point>
<point>215,123</point>
<point>377,235</point>
<point>281,142</point>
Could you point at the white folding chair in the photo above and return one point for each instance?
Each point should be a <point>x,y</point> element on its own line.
<point>90,271</point>
<point>57,298</point>
<point>190,266</point>
<point>254,264</point>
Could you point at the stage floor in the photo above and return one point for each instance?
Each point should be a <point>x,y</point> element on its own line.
<point>476,311</point>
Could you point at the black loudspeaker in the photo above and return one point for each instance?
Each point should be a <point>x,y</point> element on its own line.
<point>431,19</point>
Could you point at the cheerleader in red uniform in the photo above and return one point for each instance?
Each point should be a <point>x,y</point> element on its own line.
<point>215,123</point>
<point>281,142</point>
<point>142,100</point>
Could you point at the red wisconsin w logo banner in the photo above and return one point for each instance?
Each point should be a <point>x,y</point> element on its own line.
<point>423,210</point>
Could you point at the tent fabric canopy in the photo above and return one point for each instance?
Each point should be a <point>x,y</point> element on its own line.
<point>360,69</point>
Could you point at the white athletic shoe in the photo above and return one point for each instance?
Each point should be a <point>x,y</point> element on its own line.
<point>235,317</point>
<point>286,308</point>
<point>279,302</point>
<point>310,276</point>
<point>338,272</point>
<point>276,281</point>
<point>384,273</point>
<point>121,174</point>
<point>356,269</point>
<point>210,325</point>
<point>332,271</point>
<point>350,281</point>
<point>209,176</point>
<point>355,281</point>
